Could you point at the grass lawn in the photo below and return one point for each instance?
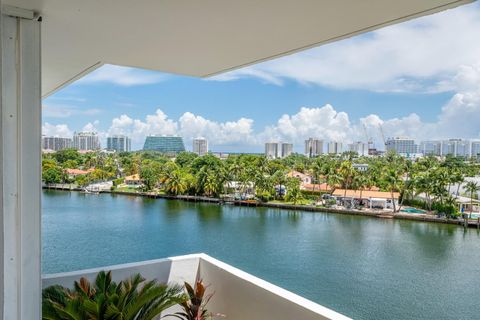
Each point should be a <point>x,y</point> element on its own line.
<point>126,189</point>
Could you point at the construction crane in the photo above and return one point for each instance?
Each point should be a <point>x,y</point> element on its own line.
<point>383,135</point>
<point>368,139</point>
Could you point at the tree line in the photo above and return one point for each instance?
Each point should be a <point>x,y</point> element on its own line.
<point>189,174</point>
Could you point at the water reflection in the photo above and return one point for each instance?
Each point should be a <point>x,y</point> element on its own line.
<point>209,212</point>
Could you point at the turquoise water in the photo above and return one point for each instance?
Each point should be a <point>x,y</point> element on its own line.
<point>363,267</point>
<point>412,210</point>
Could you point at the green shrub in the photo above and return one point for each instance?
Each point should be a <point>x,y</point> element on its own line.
<point>447,209</point>
<point>264,196</point>
<point>133,298</point>
<point>118,181</point>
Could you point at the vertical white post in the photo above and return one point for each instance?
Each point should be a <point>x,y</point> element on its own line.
<point>20,167</point>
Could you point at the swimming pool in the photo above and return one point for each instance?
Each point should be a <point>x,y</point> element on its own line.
<point>412,210</point>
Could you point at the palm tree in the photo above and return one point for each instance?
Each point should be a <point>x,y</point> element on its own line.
<point>347,172</point>
<point>334,179</point>
<point>393,182</point>
<point>442,180</point>
<point>317,171</point>
<point>424,183</point>
<point>471,187</point>
<point>279,179</point>
<point>235,169</point>
<point>407,191</point>
<point>131,299</point>
<point>451,205</point>
<point>212,185</point>
<point>176,182</point>
<point>294,194</point>
<point>360,182</point>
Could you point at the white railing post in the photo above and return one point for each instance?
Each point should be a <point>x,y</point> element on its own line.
<point>20,158</point>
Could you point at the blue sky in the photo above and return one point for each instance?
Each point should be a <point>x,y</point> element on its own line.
<point>419,79</point>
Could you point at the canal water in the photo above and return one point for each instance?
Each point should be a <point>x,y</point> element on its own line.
<point>363,267</point>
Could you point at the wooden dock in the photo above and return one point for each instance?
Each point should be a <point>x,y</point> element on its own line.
<point>471,223</point>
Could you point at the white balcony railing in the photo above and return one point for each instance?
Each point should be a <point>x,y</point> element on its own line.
<point>238,295</point>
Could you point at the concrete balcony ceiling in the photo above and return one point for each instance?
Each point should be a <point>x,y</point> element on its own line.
<point>202,37</point>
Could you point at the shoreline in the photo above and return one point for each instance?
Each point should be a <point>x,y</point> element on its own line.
<point>379,215</point>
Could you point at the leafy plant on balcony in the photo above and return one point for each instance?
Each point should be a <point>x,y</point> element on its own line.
<point>195,307</point>
<point>131,299</point>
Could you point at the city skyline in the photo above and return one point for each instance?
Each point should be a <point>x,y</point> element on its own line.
<point>427,91</point>
<point>279,149</point>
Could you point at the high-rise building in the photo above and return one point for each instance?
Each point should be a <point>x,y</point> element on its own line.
<point>431,148</point>
<point>475,149</point>
<point>56,143</point>
<point>287,149</point>
<point>272,150</point>
<point>170,145</point>
<point>86,141</point>
<point>313,147</point>
<point>119,143</point>
<point>462,148</point>
<point>335,147</point>
<point>359,147</point>
<point>200,146</point>
<point>456,148</point>
<point>448,147</point>
<point>452,147</point>
<point>402,146</point>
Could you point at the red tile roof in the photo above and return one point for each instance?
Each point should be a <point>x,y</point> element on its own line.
<point>76,172</point>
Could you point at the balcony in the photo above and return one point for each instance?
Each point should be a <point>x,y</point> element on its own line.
<point>237,294</point>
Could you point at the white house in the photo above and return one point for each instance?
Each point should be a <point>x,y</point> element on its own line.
<point>304,178</point>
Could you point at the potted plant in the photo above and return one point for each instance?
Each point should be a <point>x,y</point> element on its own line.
<point>194,307</point>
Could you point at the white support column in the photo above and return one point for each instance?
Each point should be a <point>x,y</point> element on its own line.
<point>20,158</point>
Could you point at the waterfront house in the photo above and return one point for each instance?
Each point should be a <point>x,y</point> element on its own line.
<point>468,205</point>
<point>368,198</point>
<point>48,44</point>
<point>304,178</point>
<point>316,187</point>
<point>73,173</point>
<point>133,180</point>
<point>240,190</point>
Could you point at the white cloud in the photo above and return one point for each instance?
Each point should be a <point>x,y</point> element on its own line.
<point>59,130</point>
<point>459,118</point>
<point>188,126</point>
<point>122,76</point>
<point>91,126</point>
<point>324,122</point>
<point>136,129</point>
<point>420,55</point>
<point>219,133</point>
